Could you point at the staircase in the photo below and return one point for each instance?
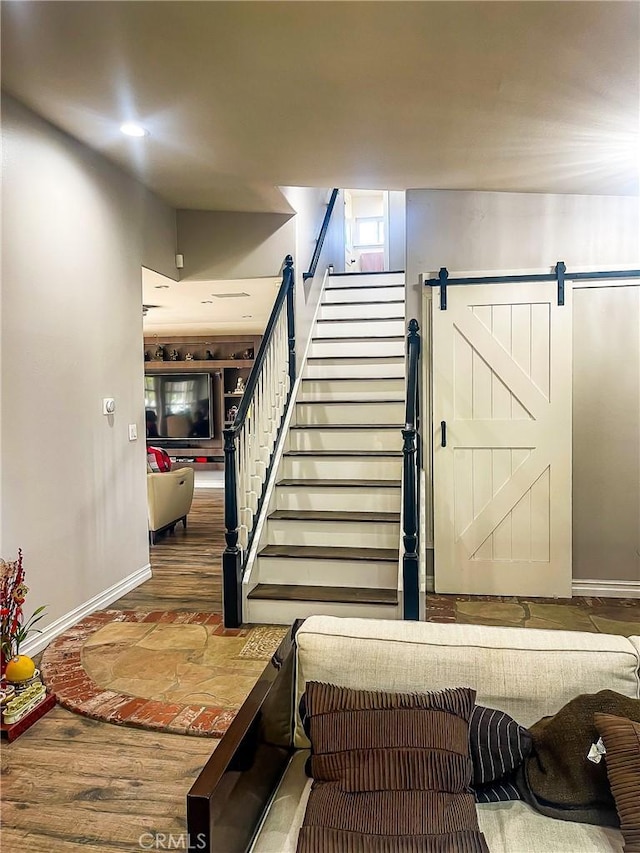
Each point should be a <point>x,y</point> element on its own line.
<point>330,544</point>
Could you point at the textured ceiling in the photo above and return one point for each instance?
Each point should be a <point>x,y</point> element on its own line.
<point>206,307</point>
<point>243,97</point>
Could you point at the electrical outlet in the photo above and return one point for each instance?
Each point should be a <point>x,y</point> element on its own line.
<point>133,432</point>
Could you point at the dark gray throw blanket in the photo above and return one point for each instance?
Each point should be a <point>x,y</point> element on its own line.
<point>557,779</point>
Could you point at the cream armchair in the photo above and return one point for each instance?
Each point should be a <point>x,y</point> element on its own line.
<point>169,496</point>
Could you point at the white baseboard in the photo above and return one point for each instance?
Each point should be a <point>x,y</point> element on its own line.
<point>606,589</point>
<point>595,588</point>
<point>98,602</point>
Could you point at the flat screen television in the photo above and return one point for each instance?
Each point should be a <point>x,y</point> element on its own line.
<point>178,406</point>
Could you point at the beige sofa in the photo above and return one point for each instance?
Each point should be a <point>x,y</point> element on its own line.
<point>526,672</point>
<point>169,498</point>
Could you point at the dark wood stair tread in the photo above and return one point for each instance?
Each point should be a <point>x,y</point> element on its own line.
<point>386,359</point>
<point>357,287</point>
<point>325,552</point>
<point>338,594</point>
<point>334,515</point>
<point>350,379</point>
<point>348,402</point>
<point>361,338</point>
<point>369,302</point>
<point>344,453</point>
<point>354,274</point>
<point>341,484</point>
<point>359,319</point>
<point>348,426</point>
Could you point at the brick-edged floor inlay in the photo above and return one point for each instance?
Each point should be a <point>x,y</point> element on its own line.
<point>170,671</point>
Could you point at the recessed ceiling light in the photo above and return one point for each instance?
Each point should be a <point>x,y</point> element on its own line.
<point>161,286</point>
<point>207,302</point>
<point>130,128</point>
<point>247,316</point>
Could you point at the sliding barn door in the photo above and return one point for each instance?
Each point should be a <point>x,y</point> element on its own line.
<point>502,440</point>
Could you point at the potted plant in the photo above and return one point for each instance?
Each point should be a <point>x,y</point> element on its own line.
<point>14,630</point>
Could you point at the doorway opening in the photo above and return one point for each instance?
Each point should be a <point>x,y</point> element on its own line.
<point>374,231</point>
<point>366,221</point>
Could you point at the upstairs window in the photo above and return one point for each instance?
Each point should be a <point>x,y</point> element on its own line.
<point>369,231</point>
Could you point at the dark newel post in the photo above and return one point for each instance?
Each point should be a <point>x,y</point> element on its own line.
<point>231,557</point>
<point>410,570</point>
<point>291,329</point>
<point>410,510</point>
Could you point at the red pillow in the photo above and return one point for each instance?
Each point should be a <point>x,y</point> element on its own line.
<point>158,459</point>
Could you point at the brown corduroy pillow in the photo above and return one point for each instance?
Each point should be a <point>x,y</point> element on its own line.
<point>391,772</point>
<point>621,738</point>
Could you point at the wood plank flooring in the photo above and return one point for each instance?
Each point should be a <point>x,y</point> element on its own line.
<point>70,783</point>
<point>186,565</point>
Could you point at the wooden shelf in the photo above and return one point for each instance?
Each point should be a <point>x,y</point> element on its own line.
<point>211,364</point>
<point>223,370</point>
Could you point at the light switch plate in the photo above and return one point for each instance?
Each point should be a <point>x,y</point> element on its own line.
<point>133,432</point>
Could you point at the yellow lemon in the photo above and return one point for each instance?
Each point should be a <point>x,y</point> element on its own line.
<point>20,668</point>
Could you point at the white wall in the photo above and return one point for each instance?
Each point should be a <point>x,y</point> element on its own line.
<point>397,230</point>
<point>76,231</point>
<point>493,231</point>
<point>227,245</point>
<point>310,205</point>
<point>606,433</point>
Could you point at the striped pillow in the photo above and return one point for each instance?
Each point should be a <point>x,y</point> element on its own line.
<point>498,745</point>
<point>158,459</point>
<point>391,772</point>
<point>621,739</point>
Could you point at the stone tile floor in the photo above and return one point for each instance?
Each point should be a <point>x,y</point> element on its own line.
<point>599,615</point>
<point>185,673</point>
<point>167,670</point>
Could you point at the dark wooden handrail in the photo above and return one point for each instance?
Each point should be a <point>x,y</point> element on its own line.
<point>285,291</point>
<point>323,233</point>
<point>233,559</point>
<point>411,478</point>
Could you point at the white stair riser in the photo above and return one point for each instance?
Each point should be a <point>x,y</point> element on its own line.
<point>352,348</point>
<point>341,468</point>
<point>286,612</point>
<point>376,280</point>
<point>370,294</point>
<point>339,499</point>
<point>375,311</point>
<point>355,573</point>
<point>347,534</point>
<point>359,329</point>
<point>345,439</point>
<point>350,413</point>
<point>351,389</point>
<point>354,368</point>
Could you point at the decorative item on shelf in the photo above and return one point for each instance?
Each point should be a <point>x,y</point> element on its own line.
<point>175,355</point>
<point>23,696</point>
<point>233,356</point>
<point>14,630</point>
<point>210,355</point>
<point>7,692</point>
<point>23,702</point>
<point>248,354</point>
<point>159,354</point>
<point>231,414</point>
<point>147,355</point>
<point>188,357</point>
<point>239,386</point>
